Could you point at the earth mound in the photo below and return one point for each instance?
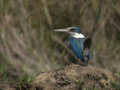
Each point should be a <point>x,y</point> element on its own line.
<point>74,77</point>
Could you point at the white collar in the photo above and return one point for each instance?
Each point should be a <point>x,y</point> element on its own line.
<point>77,35</point>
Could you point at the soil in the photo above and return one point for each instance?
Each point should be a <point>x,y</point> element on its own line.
<point>72,77</point>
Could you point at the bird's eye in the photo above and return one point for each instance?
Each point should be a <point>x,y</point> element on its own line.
<point>72,30</point>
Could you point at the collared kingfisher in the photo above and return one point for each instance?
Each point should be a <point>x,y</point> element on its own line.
<point>79,44</point>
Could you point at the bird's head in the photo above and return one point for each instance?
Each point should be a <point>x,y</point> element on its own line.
<point>73,31</point>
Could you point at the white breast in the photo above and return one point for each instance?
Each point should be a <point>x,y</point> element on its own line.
<point>77,35</point>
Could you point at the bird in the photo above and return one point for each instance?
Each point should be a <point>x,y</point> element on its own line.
<point>79,44</point>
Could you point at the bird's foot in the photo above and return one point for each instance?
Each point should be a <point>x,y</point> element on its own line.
<point>83,63</point>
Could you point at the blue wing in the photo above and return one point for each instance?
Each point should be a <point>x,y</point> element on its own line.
<point>77,46</point>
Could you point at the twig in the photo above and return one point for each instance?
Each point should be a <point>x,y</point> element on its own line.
<point>98,12</point>
<point>47,13</point>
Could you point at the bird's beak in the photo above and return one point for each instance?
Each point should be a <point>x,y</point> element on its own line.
<point>64,30</point>
<point>61,30</point>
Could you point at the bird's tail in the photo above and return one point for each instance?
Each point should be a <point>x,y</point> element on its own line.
<point>87,43</point>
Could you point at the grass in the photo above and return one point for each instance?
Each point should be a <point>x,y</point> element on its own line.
<point>25,79</point>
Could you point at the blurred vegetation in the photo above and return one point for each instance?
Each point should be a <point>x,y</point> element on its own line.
<point>29,45</point>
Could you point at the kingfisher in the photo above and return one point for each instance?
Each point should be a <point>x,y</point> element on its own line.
<point>79,44</point>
